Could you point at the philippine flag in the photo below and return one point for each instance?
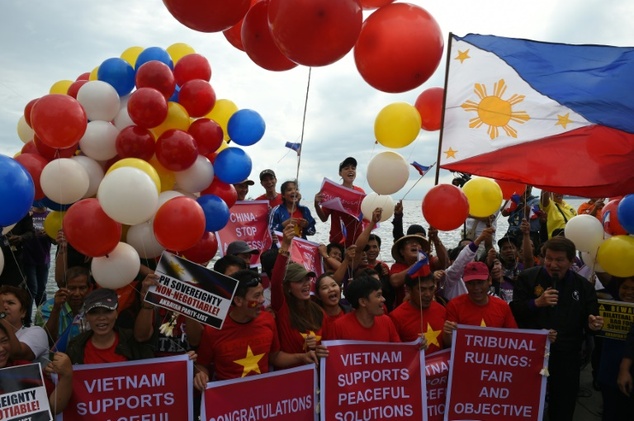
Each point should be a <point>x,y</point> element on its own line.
<point>556,116</point>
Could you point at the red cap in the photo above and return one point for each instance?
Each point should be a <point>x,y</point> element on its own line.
<point>475,271</point>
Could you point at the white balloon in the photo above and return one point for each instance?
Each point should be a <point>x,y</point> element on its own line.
<point>585,231</point>
<point>387,172</point>
<point>7,229</point>
<point>118,268</point>
<point>167,195</point>
<point>99,99</point>
<point>123,120</point>
<point>25,133</point>
<point>141,237</point>
<point>373,201</point>
<point>99,142</point>
<point>64,181</point>
<point>128,195</point>
<point>197,177</point>
<point>94,171</point>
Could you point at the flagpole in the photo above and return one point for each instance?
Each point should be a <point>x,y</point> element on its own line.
<point>444,101</point>
<point>421,177</point>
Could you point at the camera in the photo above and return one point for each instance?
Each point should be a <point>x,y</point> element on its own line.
<point>460,179</point>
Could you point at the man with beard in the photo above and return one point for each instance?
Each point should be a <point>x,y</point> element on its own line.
<point>422,315</point>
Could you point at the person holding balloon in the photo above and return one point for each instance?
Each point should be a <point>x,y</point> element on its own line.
<point>291,212</point>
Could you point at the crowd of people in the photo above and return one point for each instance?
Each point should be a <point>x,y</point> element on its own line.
<point>530,280</point>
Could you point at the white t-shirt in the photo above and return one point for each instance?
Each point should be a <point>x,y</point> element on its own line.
<point>35,338</point>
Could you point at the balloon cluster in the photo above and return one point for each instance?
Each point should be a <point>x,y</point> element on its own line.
<point>396,48</point>
<point>139,142</point>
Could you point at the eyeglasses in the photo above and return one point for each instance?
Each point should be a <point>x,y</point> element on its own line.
<point>252,283</point>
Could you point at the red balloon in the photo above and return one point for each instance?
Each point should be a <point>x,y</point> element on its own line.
<point>74,87</point>
<point>258,42</point>
<point>611,223</point>
<point>147,107</point>
<point>207,15</point>
<point>29,147</point>
<point>234,34</point>
<point>204,250</point>
<point>445,207</point>
<point>399,48</point>
<point>52,153</point>
<point>429,106</point>
<point>315,32</point>
<point>374,4</point>
<point>190,67</point>
<point>84,76</point>
<point>27,111</point>
<point>510,187</point>
<point>58,120</point>
<point>179,223</point>
<point>34,164</point>
<point>135,142</point>
<point>176,150</point>
<point>156,74</point>
<point>89,230</point>
<point>197,96</point>
<point>223,190</point>
<point>208,135</point>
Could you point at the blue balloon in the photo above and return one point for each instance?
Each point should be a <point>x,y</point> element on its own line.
<point>17,191</point>
<point>174,97</point>
<point>246,127</point>
<point>154,53</point>
<point>48,203</point>
<point>216,212</point>
<point>625,213</point>
<point>232,166</point>
<point>118,73</point>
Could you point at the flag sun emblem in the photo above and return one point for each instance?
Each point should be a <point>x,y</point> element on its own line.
<point>494,111</point>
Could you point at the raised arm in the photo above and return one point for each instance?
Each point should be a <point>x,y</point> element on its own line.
<point>144,322</point>
<point>323,216</point>
<point>279,269</point>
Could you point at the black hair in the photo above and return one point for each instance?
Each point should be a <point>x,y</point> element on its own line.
<point>361,287</point>
<point>412,282</point>
<point>246,278</point>
<point>224,262</point>
<point>330,246</point>
<point>77,271</point>
<point>561,244</point>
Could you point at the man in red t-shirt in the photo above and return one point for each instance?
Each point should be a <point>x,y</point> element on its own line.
<point>268,180</point>
<point>248,341</point>
<point>477,307</point>
<point>422,315</point>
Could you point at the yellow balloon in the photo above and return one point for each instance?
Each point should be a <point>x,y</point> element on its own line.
<point>177,118</point>
<point>168,180</point>
<point>53,223</point>
<point>131,54</point>
<point>224,145</point>
<point>616,255</point>
<point>397,125</point>
<point>484,196</point>
<point>141,165</point>
<point>179,50</point>
<point>60,87</point>
<point>222,112</point>
<point>93,74</point>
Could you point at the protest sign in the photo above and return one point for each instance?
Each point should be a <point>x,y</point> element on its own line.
<point>192,290</point>
<point>618,316</point>
<point>306,253</point>
<point>372,381</point>
<point>285,395</point>
<point>506,372</point>
<point>158,389</point>
<point>436,377</point>
<point>23,394</point>
<point>342,199</point>
<point>249,222</point>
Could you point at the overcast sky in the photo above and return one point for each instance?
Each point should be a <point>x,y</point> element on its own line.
<point>46,41</point>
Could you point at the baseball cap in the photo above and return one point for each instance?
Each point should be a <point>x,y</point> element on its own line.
<point>266,172</point>
<point>475,271</point>
<point>348,161</point>
<point>249,182</point>
<point>239,247</point>
<point>296,273</point>
<point>101,298</point>
<point>507,239</point>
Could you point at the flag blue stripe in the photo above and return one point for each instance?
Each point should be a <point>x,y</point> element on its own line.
<point>595,81</point>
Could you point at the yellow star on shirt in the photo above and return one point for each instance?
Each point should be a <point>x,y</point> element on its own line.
<point>250,362</point>
<point>563,120</point>
<point>462,56</point>
<point>450,153</point>
<point>310,333</point>
<point>483,323</point>
<point>432,336</point>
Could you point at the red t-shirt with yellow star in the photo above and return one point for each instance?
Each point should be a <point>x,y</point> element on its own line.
<point>408,321</point>
<point>495,313</point>
<point>239,349</point>
<point>348,327</point>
